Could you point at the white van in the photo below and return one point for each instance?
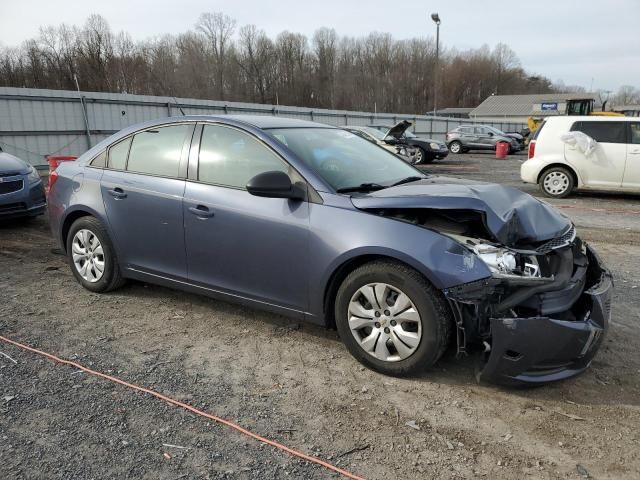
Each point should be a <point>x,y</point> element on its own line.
<point>559,168</point>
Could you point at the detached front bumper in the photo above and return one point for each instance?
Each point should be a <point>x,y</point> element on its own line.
<point>549,348</point>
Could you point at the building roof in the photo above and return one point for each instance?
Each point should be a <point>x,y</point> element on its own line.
<point>454,110</point>
<point>519,105</point>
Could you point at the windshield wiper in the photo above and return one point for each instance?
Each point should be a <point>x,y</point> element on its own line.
<point>363,187</point>
<point>413,178</point>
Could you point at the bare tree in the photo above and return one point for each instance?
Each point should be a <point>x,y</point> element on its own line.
<point>218,28</point>
<point>211,61</point>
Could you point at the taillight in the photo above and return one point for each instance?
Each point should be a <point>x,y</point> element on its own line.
<point>532,149</point>
<point>53,165</point>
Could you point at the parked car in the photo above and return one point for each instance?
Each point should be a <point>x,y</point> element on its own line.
<point>428,149</point>
<point>407,153</point>
<point>560,168</point>
<point>21,189</point>
<point>481,137</point>
<point>314,222</point>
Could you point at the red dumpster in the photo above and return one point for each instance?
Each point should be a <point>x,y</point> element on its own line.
<point>53,165</point>
<point>502,150</point>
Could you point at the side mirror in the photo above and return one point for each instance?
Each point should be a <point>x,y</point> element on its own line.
<point>491,134</point>
<point>274,184</point>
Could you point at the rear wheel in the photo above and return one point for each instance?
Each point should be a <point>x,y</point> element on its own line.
<point>391,319</point>
<point>556,182</point>
<point>456,147</point>
<point>92,257</point>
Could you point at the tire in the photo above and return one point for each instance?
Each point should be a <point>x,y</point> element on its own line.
<point>556,182</point>
<point>426,156</point>
<point>456,147</point>
<point>110,278</point>
<point>429,330</point>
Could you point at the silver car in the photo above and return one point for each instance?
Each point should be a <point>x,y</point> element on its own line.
<point>480,137</point>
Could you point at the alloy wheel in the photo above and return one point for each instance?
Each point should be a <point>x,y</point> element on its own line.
<point>88,255</point>
<point>385,322</point>
<point>556,182</point>
<point>418,157</point>
<point>455,147</point>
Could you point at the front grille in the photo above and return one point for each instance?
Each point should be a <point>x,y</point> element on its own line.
<point>12,207</point>
<point>10,187</point>
<point>561,241</point>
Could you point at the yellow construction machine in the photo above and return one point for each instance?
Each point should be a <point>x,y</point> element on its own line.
<point>575,106</point>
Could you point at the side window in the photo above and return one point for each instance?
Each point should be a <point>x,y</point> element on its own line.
<point>480,130</point>
<point>158,151</point>
<point>118,154</point>
<point>635,133</point>
<point>231,157</point>
<point>603,132</point>
<point>100,161</point>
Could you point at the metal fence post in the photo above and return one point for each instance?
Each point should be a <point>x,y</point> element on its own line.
<point>86,120</point>
<point>168,108</point>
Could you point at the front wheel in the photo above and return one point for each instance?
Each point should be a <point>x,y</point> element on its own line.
<point>456,147</point>
<point>391,319</point>
<point>92,257</point>
<point>557,182</point>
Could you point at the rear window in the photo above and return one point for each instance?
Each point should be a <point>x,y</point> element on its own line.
<point>536,133</point>
<point>158,151</point>
<point>603,132</point>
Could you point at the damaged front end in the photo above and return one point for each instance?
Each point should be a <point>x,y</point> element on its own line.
<point>542,315</point>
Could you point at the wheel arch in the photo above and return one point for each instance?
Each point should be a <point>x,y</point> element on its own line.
<point>345,268</point>
<point>565,166</point>
<point>70,218</point>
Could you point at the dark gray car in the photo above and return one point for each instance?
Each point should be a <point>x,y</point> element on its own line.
<point>479,137</point>
<point>317,223</point>
<point>21,189</point>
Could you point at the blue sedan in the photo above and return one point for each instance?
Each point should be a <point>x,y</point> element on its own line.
<point>21,189</point>
<point>315,222</point>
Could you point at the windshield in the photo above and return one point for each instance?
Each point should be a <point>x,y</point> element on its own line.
<point>343,159</point>
<point>496,131</point>
<point>408,134</point>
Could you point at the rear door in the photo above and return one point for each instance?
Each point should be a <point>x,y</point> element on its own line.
<point>142,189</point>
<point>604,168</point>
<point>631,178</point>
<point>468,136</point>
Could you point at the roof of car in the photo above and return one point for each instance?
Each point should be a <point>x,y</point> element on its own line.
<point>267,121</point>
<point>590,118</point>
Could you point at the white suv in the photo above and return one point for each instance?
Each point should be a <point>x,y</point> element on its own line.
<point>559,167</point>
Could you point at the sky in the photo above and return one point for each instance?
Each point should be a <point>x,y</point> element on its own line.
<point>592,43</point>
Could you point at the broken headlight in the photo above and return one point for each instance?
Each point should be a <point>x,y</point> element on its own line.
<point>507,264</point>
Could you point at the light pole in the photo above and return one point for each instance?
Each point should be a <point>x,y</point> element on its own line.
<point>436,18</point>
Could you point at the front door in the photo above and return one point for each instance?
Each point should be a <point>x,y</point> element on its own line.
<point>142,191</point>
<point>604,167</point>
<point>631,177</point>
<point>237,243</point>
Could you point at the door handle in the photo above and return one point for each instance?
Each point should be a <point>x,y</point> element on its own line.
<point>117,193</point>
<point>201,211</point>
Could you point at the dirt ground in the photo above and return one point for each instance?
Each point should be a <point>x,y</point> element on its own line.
<point>295,383</point>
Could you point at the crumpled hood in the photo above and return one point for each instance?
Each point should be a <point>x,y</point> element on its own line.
<point>513,217</point>
<point>11,164</point>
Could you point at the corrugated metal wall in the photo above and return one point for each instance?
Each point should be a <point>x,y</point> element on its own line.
<point>36,123</point>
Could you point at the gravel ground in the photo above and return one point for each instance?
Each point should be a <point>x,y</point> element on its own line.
<point>295,383</point>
